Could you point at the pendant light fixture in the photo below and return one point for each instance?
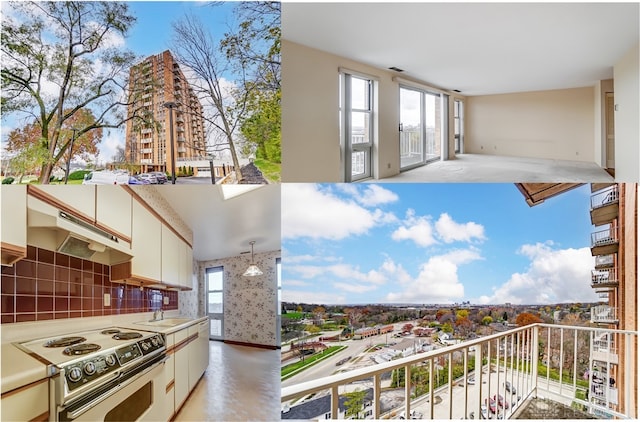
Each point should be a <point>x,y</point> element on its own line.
<point>253,269</point>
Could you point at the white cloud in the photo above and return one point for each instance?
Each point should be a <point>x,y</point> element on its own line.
<point>297,283</point>
<point>113,139</point>
<point>450,231</point>
<point>437,281</point>
<point>353,288</point>
<point>375,195</point>
<point>308,211</point>
<point>554,275</point>
<point>417,229</point>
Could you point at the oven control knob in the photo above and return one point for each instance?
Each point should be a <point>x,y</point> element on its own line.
<point>75,374</point>
<point>154,341</point>
<point>111,360</point>
<point>89,368</point>
<point>145,346</point>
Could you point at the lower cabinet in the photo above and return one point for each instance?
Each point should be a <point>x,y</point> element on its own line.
<point>198,351</point>
<point>169,382</point>
<point>27,404</point>
<point>181,365</point>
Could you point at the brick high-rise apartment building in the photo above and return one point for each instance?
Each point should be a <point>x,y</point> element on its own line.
<point>156,81</point>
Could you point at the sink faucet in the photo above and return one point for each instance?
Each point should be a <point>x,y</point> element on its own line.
<point>155,315</point>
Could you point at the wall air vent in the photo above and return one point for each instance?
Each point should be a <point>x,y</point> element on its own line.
<point>456,90</point>
<point>74,220</point>
<point>396,69</point>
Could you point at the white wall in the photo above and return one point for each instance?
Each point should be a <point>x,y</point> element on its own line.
<point>627,131</point>
<point>599,109</point>
<point>556,124</point>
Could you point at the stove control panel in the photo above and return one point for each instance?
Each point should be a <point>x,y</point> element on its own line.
<point>82,372</point>
<point>151,344</point>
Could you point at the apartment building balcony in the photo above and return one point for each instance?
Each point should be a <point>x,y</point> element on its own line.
<point>146,161</point>
<point>146,150</point>
<point>604,261</point>
<point>180,129</point>
<point>182,149</point>
<point>180,119</point>
<point>603,348</point>
<point>519,367</point>
<point>146,131</point>
<point>604,314</point>
<point>145,141</point>
<point>604,279</point>
<point>604,205</point>
<point>147,103</point>
<point>181,139</point>
<point>604,241</point>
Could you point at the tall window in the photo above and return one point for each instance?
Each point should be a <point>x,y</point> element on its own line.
<point>357,125</point>
<point>420,127</point>
<point>457,125</point>
<point>215,301</point>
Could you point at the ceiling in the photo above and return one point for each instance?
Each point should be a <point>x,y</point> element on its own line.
<point>474,47</point>
<point>224,228</point>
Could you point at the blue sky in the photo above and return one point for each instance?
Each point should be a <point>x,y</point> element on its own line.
<point>150,35</point>
<point>433,243</point>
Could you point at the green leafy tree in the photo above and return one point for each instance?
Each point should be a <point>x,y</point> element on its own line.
<point>28,160</point>
<point>487,320</point>
<point>58,44</point>
<point>354,403</point>
<point>447,328</point>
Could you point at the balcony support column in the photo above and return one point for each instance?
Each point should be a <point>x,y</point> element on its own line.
<point>407,390</point>
<point>376,396</point>
<point>335,401</point>
<point>534,360</point>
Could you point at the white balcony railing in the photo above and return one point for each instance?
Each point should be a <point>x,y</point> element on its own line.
<point>454,382</point>
<point>604,260</point>
<point>603,347</point>
<point>146,141</point>
<point>604,237</point>
<point>145,131</point>
<point>604,314</point>
<point>146,161</point>
<point>605,197</point>
<point>146,150</point>
<point>604,277</point>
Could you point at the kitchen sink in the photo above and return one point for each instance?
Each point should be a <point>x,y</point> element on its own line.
<point>169,322</point>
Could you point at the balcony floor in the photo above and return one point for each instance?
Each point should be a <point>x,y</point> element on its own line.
<point>539,408</point>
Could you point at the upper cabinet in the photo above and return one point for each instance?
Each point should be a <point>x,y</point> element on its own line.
<point>113,209</point>
<point>146,245</point>
<point>77,199</point>
<point>186,275</point>
<point>13,232</point>
<point>171,257</point>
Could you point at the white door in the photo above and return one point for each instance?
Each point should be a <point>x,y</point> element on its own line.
<point>609,125</point>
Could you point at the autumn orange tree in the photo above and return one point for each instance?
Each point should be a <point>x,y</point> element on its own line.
<point>25,144</point>
<point>527,318</point>
<point>59,58</point>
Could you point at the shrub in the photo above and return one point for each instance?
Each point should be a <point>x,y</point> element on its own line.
<point>78,174</point>
<point>8,180</point>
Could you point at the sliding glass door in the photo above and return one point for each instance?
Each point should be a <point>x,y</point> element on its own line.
<point>420,127</point>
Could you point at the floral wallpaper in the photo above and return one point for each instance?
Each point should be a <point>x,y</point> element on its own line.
<point>151,196</point>
<point>191,303</point>
<point>250,303</point>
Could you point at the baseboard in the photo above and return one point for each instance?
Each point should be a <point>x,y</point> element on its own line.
<point>259,346</point>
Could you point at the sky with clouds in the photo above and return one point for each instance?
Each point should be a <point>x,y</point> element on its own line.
<point>152,34</point>
<point>433,243</point>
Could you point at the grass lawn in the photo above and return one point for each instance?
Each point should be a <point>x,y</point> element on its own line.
<point>293,315</point>
<point>289,370</point>
<point>271,171</point>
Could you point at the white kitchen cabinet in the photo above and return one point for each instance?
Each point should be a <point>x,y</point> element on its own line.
<point>169,405</point>
<point>198,351</point>
<point>26,404</point>
<point>113,209</point>
<point>81,199</point>
<point>172,257</point>
<point>186,267</point>
<point>146,241</point>
<point>13,232</point>
<point>181,368</point>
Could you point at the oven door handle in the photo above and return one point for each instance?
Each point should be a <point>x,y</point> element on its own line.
<point>77,412</point>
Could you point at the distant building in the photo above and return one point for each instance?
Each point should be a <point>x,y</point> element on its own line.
<point>320,408</point>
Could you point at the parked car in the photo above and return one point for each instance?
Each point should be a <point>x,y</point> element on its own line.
<point>343,361</point>
<point>510,388</point>
<point>135,181</point>
<point>148,177</point>
<point>413,415</point>
<point>471,380</point>
<point>160,176</point>
<point>501,401</point>
<point>106,178</point>
<point>492,405</point>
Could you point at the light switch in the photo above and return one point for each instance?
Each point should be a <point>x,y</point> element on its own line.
<point>107,299</point>
<point>165,300</point>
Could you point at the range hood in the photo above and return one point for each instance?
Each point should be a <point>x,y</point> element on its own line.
<point>54,229</point>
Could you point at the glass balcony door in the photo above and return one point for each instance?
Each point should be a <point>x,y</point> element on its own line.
<point>420,127</point>
<point>215,302</point>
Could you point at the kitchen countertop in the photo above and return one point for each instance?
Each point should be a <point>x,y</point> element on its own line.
<point>19,369</point>
<point>165,330</point>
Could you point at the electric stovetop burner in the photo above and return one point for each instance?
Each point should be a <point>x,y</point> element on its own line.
<point>64,341</point>
<point>110,331</point>
<point>127,336</point>
<point>81,349</point>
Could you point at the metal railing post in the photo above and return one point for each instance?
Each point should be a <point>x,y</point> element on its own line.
<point>376,396</point>
<point>534,360</point>
<point>335,402</point>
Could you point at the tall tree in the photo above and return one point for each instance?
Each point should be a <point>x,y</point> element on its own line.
<point>527,318</point>
<point>354,403</point>
<point>196,49</point>
<point>63,57</point>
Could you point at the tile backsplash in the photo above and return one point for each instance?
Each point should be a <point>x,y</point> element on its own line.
<point>50,285</point>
